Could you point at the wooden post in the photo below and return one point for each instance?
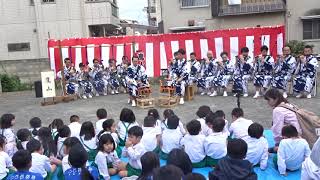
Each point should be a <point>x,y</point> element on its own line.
<point>62,70</point>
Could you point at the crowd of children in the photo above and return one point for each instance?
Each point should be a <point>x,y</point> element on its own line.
<point>84,151</point>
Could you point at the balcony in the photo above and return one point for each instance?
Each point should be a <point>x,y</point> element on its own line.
<point>247,7</point>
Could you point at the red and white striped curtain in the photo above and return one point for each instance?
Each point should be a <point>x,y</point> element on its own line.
<point>158,49</point>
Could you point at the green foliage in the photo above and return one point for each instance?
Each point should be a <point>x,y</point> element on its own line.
<point>12,83</point>
<point>296,47</point>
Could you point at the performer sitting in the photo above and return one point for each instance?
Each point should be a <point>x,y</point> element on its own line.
<point>195,68</point>
<point>284,70</point>
<point>83,79</point>
<point>98,76</point>
<point>113,76</point>
<point>70,77</point>
<point>263,69</point>
<point>136,77</point>
<point>180,72</point>
<point>226,70</point>
<point>242,72</point>
<point>306,73</point>
<point>122,72</point>
<point>208,72</point>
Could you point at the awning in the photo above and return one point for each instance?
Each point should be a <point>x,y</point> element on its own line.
<point>183,28</point>
<point>310,17</point>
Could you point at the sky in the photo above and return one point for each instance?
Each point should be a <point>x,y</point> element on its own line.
<point>133,10</point>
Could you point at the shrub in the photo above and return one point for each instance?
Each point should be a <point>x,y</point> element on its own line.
<point>12,83</point>
<point>296,47</point>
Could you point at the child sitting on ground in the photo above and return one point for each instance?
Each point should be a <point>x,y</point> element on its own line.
<point>149,162</point>
<point>166,114</point>
<point>257,146</point>
<point>233,166</point>
<point>311,166</point>
<point>239,126</point>
<point>63,133</point>
<point>221,114</point>
<point>134,149</point>
<point>22,161</point>
<point>7,121</point>
<point>127,120</point>
<point>23,137</point>
<point>54,126</point>
<point>5,160</point>
<point>75,126</point>
<point>102,116</point>
<point>40,163</point>
<point>215,144</point>
<point>67,145</point>
<point>89,140</point>
<point>151,135</point>
<point>202,112</point>
<point>193,144</point>
<point>292,150</point>
<point>155,114</point>
<point>107,159</point>
<point>110,127</point>
<point>35,124</point>
<point>171,136</point>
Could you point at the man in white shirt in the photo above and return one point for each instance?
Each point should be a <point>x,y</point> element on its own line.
<point>239,127</point>
<point>102,116</point>
<point>75,126</point>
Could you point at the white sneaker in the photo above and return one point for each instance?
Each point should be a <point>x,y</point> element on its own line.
<point>299,96</point>
<point>97,95</point>
<point>285,95</point>
<point>181,101</point>
<point>112,92</point>
<point>89,96</point>
<point>203,93</point>
<point>245,95</point>
<point>225,94</point>
<point>309,96</point>
<point>105,94</point>
<point>214,94</point>
<point>256,95</point>
<point>133,103</point>
<point>129,101</point>
<point>116,91</point>
<point>209,93</point>
<point>84,97</point>
<point>124,91</point>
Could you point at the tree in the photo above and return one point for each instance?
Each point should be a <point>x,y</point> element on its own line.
<point>297,47</point>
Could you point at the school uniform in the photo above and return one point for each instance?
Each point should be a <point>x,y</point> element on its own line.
<point>104,161</point>
<point>60,152</point>
<point>114,136</point>
<point>180,70</point>
<point>99,127</point>
<point>65,163</point>
<point>149,138</point>
<point>40,164</point>
<point>306,75</point>
<point>170,140</point>
<point>24,144</point>
<point>215,146</point>
<point>5,164</point>
<point>309,170</point>
<point>283,72</point>
<point>134,154</point>
<point>263,72</point>
<point>180,126</point>
<point>89,144</point>
<point>24,175</point>
<point>75,173</point>
<point>257,151</point>
<point>11,146</point>
<point>242,74</point>
<point>205,130</point>
<point>75,128</point>
<point>122,129</point>
<point>226,127</point>
<point>136,74</point>
<point>291,154</point>
<point>239,128</point>
<point>194,147</point>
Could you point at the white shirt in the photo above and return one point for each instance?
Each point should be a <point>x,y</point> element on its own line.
<point>114,136</point>
<point>24,144</point>
<point>75,128</point>
<point>310,171</point>
<point>239,127</point>
<point>291,154</point>
<point>99,125</point>
<point>122,131</point>
<point>215,145</point>
<point>65,163</point>
<point>60,147</point>
<point>5,164</point>
<point>40,164</point>
<point>89,144</point>
<point>226,127</point>
<point>149,138</point>
<point>11,146</point>
<point>205,130</point>
<point>181,128</point>
<point>103,159</point>
<point>171,139</point>
<point>194,147</point>
<point>134,154</point>
<point>257,151</point>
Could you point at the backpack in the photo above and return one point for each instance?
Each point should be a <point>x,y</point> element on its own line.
<point>309,123</point>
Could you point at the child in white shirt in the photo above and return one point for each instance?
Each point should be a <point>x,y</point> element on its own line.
<point>193,144</point>
<point>107,159</point>
<point>63,133</point>
<point>221,114</point>
<point>89,140</point>
<point>67,145</point>
<point>23,137</point>
<point>7,121</point>
<point>127,120</point>
<point>134,149</point>
<point>292,150</point>
<point>102,116</point>
<point>35,124</point>
<point>164,125</point>
<point>171,136</point>
<point>75,126</point>
<point>215,144</point>
<point>239,127</point>
<point>155,114</point>
<point>151,134</point>
<point>5,160</point>
<point>202,112</point>
<point>257,146</point>
<point>54,126</point>
<point>311,166</point>
<point>40,163</point>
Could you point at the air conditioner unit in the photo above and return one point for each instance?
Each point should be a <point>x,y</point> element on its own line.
<point>234,2</point>
<point>191,22</point>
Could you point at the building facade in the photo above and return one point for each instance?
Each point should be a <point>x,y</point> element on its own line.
<point>26,26</point>
<point>301,18</point>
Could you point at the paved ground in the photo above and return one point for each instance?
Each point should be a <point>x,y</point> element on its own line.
<point>25,106</point>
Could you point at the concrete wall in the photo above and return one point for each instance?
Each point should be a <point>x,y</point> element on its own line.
<point>296,9</point>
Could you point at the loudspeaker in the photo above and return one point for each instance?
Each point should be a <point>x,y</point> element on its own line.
<point>38,88</point>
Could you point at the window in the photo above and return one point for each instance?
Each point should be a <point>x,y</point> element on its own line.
<point>194,3</point>
<point>31,2</point>
<point>48,1</point>
<point>311,29</point>
<point>13,47</point>
<point>115,11</point>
